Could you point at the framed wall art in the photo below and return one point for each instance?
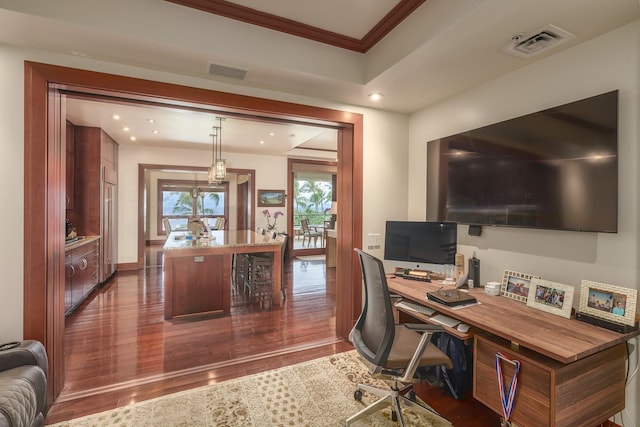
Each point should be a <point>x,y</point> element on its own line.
<point>609,302</point>
<point>552,297</point>
<point>271,198</point>
<point>516,285</point>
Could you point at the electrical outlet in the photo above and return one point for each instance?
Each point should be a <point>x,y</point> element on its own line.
<point>371,242</point>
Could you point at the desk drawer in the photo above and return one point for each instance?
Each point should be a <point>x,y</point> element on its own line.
<point>583,393</point>
<point>533,397</point>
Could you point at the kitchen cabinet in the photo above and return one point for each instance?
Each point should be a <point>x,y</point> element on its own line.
<point>81,272</point>
<point>70,166</point>
<point>96,179</point>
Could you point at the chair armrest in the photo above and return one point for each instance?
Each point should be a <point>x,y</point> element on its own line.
<point>424,327</point>
<point>29,352</point>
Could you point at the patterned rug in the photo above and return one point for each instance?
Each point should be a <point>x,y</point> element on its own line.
<point>317,393</point>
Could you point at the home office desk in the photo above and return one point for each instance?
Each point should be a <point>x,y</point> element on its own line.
<point>571,374</point>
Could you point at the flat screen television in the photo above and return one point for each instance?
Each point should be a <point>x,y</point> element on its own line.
<point>421,242</point>
<point>554,169</point>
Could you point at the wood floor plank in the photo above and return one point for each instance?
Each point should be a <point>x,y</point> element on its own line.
<point>120,350</point>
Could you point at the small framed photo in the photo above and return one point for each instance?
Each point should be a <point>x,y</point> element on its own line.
<point>516,285</point>
<point>609,302</point>
<point>271,198</point>
<point>552,297</point>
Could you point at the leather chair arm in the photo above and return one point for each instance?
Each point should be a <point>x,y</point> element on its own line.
<point>24,353</point>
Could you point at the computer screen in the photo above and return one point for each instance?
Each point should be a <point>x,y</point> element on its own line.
<point>424,242</point>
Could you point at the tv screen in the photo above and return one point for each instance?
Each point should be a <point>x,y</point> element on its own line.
<point>555,169</point>
<point>421,242</point>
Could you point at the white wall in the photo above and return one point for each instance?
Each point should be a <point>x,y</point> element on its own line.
<point>271,173</point>
<point>383,133</point>
<point>606,63</point>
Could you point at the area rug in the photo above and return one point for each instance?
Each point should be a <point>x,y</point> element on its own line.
<point>317,393</point>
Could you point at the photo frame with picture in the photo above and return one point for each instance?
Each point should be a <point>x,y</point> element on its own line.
<point>271,198</point>
<point>516,285</point>
<point>552,297</point>
<point>609,302</point>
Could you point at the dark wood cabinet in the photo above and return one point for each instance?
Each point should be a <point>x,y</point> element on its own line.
<point>197,285</point>
<point>70,166</point>
<point>81,273</point>
<point>96,178</point>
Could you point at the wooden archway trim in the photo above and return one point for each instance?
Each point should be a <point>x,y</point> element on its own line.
<point>44,187</point>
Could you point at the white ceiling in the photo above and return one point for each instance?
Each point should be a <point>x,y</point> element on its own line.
<point>443,48</point>
<point>179,128</point>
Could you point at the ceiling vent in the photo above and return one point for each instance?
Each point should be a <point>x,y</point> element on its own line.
<point>525,46</point>
<point>226,71</point>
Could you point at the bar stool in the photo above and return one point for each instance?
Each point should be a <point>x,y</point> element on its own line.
<point>239,274</point>
<point>259,279</point>
<point>259,272</point>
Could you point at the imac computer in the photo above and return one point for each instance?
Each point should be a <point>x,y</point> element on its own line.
<point>420,245</point>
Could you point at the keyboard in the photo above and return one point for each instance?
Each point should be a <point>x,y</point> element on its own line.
<point>445,320</point>
<point>415,307</point>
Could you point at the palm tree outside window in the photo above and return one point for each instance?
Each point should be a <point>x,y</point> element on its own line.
<point>176,201</point>
<point>311,199</point>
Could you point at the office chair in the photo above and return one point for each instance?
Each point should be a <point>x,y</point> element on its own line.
<point>393,350</point>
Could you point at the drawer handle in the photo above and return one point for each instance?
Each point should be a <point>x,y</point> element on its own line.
<point>73,271</point>
<point>84,263</point>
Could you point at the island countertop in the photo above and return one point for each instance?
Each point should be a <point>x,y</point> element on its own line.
<point>220,241</point>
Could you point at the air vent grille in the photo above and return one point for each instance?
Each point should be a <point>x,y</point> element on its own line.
<point>226,71</point>
<point>539,41</point>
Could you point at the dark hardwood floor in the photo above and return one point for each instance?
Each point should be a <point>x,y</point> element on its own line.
<point>119,350</point>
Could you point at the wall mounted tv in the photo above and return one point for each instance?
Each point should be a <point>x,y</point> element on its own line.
<point>555,169</point>
<point>421,242</point>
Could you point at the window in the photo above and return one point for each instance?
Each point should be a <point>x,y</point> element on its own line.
<point>179,200</point>
<point>312,197</point>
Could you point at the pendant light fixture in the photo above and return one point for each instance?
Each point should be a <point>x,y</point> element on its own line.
<point>218,169</point>
<point>195,191</point>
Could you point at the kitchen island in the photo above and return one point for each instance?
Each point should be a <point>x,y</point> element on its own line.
<point>197,273</point>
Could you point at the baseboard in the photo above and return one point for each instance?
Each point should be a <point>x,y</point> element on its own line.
<point>129,266</point>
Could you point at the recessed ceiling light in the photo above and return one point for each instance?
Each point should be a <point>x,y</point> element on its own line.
<point>375,96</point>
<point>271,134</point>
<point>126,129</point>
<point>133,138</point>
<point>115,117</point>
<point>261,142</point>
<point>155,132</point>
<point>151,121</point>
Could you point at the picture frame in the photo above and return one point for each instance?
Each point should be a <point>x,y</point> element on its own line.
<point>609,302</point>
<point>271,198</point>
<point>551,297</point>
<point>516,285</point>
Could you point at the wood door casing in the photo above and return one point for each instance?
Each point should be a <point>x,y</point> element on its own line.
<point>44,183</point>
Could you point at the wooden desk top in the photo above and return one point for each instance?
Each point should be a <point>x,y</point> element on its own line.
<point>565,340</point>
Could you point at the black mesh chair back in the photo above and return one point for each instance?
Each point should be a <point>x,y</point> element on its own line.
<point>393,350</point>
<point>373,333</point>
